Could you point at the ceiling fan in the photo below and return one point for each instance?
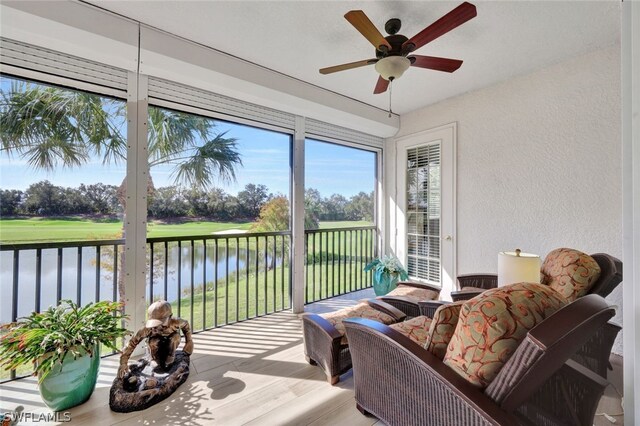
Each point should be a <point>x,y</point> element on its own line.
<point>394,52</point>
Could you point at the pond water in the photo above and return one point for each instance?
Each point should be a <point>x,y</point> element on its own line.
<point>227,264</point>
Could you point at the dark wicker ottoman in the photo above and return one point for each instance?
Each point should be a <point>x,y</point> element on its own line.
<point>325,343</point>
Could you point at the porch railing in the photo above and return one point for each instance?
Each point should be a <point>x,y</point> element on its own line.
<point>335,259</point>
<point>212,280</point>
<point>215,280</point>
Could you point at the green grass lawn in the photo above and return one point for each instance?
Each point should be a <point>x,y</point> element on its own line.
<point>78,229</point>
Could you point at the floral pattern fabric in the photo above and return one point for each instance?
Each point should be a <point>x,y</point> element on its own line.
<point>361,310</point>
<point>442,328</point>
<point>414,294</point>
<point>415,329</point>
<point>492,325</point>
<point>569,272</point>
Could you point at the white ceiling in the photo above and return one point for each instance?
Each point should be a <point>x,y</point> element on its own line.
<point>299,37</point>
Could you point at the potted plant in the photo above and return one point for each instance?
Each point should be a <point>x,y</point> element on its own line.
<point>387,272</point>
<point>63,344</point>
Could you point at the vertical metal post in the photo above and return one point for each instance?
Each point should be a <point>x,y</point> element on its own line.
<point>151,272</point>
<point>282,272</point>
<point>247,265</point>
<point>266,273</point>
<point>306,265</point>
<point>257,284</point>
<point>340,280</point>
<point>313,270</point>
<point>320,267</point>
<point>38,278</point>
<point>79,277</point>
<point>275,263</point>
<point>204,284</point>
<point>237,279</point>
<point>226,281</point>
<point>16,284</point>
<point>297,221</point>
<point>137,179</point>
<point>179,269</point>
<point>215,282</point>
<point>59,276</point>
<point>98,259</point>
<point>192,280</point>
<point>115,273</point>
<point>333,263</point>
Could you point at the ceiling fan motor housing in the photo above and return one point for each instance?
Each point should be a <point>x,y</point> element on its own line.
<point>395,40</point>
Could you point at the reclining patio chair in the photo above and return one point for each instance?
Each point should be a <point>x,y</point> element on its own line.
<point>325,343</point>
<point>401,383</point>
<point>556,267</point>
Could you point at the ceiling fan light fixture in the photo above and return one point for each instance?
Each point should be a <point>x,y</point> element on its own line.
<point>392,67</point>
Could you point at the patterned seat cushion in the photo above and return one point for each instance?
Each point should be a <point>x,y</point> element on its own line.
<point>492,325</point>
<point>569,272</point>
<point>361,310</point>
<point>442,328</point>
<point>414,294</point>
<point>415,329</point>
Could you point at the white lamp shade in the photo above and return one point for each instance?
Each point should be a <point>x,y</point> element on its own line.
<point>515,269</point>
<point>392,66</point>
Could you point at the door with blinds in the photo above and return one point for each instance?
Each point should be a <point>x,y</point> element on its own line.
<point>425,218</point>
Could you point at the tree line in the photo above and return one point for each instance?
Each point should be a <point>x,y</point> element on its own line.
<point>46,199</point>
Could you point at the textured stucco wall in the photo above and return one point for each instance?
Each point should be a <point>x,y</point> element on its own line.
<point>538,162</point>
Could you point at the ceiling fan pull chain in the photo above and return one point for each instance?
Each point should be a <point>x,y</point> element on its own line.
<point>390,90</point>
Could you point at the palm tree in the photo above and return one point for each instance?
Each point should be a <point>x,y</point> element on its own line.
<point>52,127</point>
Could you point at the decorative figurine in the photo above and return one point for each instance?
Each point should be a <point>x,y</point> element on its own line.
<point>149,381</point>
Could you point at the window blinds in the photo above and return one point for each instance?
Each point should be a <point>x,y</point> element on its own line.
<point>423,212</point>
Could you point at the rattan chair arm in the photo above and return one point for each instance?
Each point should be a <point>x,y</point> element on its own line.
<point>396,313</point>
<point>323,324</point>
<point>388,299</point>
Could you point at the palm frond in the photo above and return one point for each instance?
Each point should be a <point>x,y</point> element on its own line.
<point>215,160</point>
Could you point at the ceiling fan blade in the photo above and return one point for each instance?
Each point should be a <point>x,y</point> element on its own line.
<point>435,63</point>
<point>451,20</point>
<point>363,24</point>
<point>381,86</point>
<point>348,66</point>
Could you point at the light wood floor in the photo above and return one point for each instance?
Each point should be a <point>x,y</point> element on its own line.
<point>250,373</point>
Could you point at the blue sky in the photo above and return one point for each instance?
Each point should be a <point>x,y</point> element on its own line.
<point>330,168</point>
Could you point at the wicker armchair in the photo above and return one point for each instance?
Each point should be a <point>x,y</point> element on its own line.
<point>408,301</point>
<point>594,354</point>
<point>325,343</point>
<point>401,383</point>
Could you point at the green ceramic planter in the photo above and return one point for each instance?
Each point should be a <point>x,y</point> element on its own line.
<point>71,383</point>
<point>385,283</point>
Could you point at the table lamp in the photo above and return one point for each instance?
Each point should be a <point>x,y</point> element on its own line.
<point>516,267</point>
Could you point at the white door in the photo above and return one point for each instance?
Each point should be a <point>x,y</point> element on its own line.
<point>425,206</point>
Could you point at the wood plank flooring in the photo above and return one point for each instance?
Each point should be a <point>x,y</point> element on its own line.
<point>249,373</point>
